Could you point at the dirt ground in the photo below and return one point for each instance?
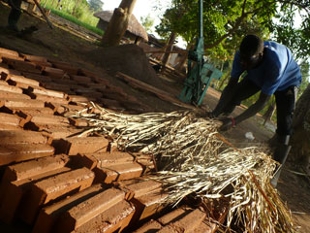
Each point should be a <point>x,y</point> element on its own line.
<point>66,42</point>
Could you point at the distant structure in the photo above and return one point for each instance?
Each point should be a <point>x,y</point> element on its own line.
<point>135,31</point>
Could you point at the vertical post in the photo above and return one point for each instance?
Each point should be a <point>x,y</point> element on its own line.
<point>201,18</point>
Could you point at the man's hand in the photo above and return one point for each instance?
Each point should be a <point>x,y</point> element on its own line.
<point>228,123</point>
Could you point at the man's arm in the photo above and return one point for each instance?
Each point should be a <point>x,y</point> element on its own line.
<point>225,97</point>
<point>254,108</point>
<point>251,111</point>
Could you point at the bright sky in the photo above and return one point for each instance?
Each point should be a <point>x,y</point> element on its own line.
<point>142,8</point>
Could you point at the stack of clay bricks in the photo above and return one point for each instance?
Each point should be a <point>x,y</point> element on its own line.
<point>52,181</point>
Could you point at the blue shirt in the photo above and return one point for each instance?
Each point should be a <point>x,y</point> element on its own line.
<point>276,72</point>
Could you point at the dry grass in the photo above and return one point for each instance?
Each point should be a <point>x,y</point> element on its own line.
<point>193,158</point>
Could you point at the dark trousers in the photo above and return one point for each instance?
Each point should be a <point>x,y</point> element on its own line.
<point>15,12</point>
<point>285,103</point>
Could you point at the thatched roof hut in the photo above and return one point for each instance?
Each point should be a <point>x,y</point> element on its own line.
<point>135,29</point>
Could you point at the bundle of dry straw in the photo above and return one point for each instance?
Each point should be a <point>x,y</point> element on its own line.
<point>193,158</point>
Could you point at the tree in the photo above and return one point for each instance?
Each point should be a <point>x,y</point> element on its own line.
<point>95,5</point>
<point>147,22</point>
<point>118,23</point>
<point>301,137</point>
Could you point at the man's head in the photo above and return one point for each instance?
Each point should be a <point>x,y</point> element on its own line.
<point>251,51</point>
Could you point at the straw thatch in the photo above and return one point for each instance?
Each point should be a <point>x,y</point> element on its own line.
<point>134,27</point>
<point>194,159</point>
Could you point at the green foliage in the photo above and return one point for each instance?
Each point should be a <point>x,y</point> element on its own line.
<point>147,22</point>
<point>78,12</point>
<point>226,22</point>
<point>95,5</point>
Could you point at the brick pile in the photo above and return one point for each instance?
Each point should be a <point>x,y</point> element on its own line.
<point>52,182</point>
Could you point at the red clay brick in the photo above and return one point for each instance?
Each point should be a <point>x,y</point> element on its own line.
<point>9,119</point>
<point>118,172</point>
<point>20,152</point>
<point>22,137</point>
<point>151,226</point>
<point>48,99</point>
<point>79,122</point>
<point>8,53</point>
<point>6,127</point>
<point>139,187</point>
<point>54,72</point>
<point>16,192</point>
<point>170,229</point>
<point>62,109</point>
<point>34,167</point>
<point>87,92</point>
<point>4,68</point>
<point>33,58</point>
<point>206,227</point>
<point>58,86</point>
<point>85,211</point>
<point>191,221</point>
<point>31,168</point>
<point>11,89</point>
<point>148,205</point>
<point>57,132</point>
<point>107,158</point>
<point>39,77</point>
<point>53,188</point>
<point>21,103</point>
<point>11,95</point>
<point>174,215</point>
<point>69,68</point>
<point>82,145</point>
<point>81,79</point>
<point>81,160</point>
<point>78,99</point>
<point>49,215</point>
<point>114,219</point>
<point>51,93</point>
<point>17,80</point>
<point>29,112</point>
<point>50,120</point>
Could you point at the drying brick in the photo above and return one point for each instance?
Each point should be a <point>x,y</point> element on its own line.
<point>148,205</point>
<point>43,91</point>
<point>82,145</point>
<point>49,215</point>
<point>11,89</point>
<point>151,226</point>
<point>9,119</point>
<point>21,103</point>
<point>8,53</point>
<point>16,192</point>
<point>20,152</point>
<point>20,80</point>
<point>44,191</point>
<point>139,187</point>
<point>114,219</point>
<point>22,137</point>
<point>117,172</point>
<point>87,210</point>
<point>191,221</point>
<point>107,158</point>
<point>48,99</point>
<point>35,167</point>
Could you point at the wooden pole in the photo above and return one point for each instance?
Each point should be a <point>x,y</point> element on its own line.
<point>43,13</point>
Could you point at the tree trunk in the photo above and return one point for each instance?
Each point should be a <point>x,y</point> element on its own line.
<point>118,23</point>
<point>301,136</point>
<point>168,49</point>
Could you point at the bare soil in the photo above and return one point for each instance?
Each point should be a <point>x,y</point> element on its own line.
<point>70,43</point>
